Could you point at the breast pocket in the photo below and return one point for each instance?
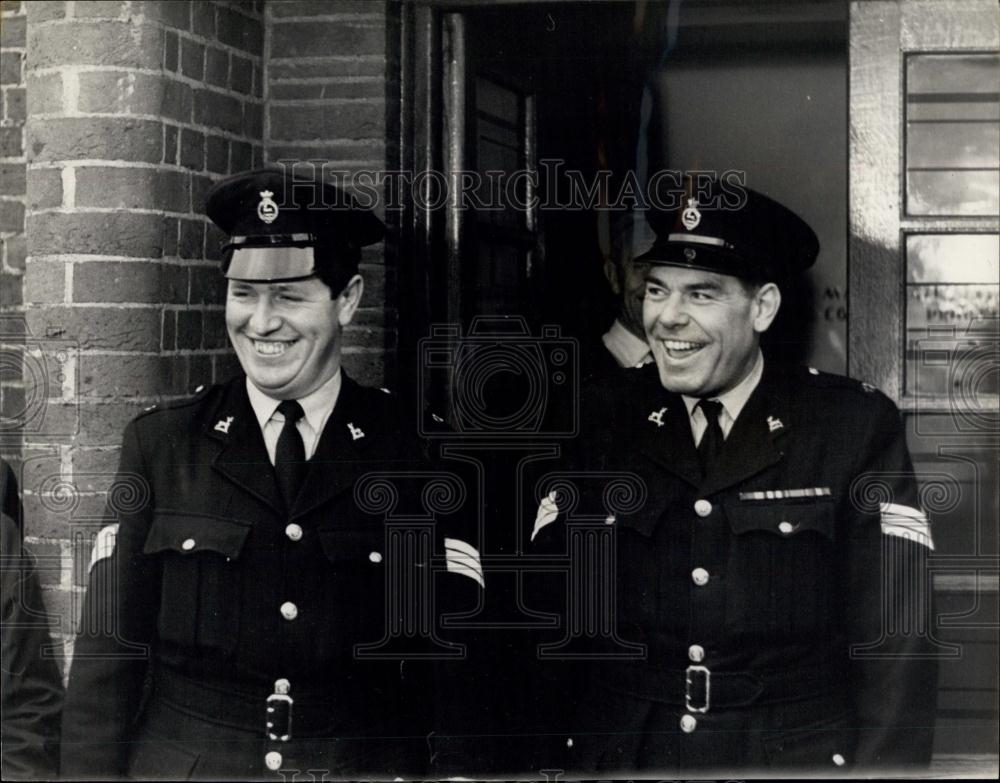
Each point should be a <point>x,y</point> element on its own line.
<point>200,597</point>
<point>782,568</point>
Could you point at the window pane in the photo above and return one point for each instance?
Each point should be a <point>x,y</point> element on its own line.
<point>953,192</point>
<point>953,258</point>
<point>952,315</point>
<point>950,73</point>
<point>953,145</point>
<point>949,305</point>
<point>952,134</point>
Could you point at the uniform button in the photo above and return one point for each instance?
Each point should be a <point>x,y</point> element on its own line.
<point>569,742</point>
<point>188,544</point>
<point>289,610</point>
<point>786,527</point>
<point>375,557</point>
<point>696,653</point>
<point>273,760</point>
<point>688,723</point>
<point>294,531</point>
<point>838,760</point>
<point>699,576</point>
<point>702,507</point>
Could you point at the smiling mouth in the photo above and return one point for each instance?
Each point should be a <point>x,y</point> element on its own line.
<point>271,347</point>
<point>681,349</point>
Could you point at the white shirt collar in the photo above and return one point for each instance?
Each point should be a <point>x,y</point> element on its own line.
<point>317,405</point>
<point>628,350</point>
<point>736,398</point>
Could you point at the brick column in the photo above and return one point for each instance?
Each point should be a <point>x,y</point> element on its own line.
<point>332,93</point>
<point>134,108</point>
<point>12,246</point>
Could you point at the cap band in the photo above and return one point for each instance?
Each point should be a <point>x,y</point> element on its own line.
<point>266,264</point>
<point>267,240</point>
<point>699,239</point>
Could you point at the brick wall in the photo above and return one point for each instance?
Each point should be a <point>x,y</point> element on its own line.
<point>134,109</point>
<point>332,93</point>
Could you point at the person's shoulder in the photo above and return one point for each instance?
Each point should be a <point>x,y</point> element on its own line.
<point>173,413</point>
<point>835,392</point>
<point>391,412</point>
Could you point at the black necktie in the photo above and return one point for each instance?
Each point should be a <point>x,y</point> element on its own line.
<point>290,454</point>
<point>712,440</point>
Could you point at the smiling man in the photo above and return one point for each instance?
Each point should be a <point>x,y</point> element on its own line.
<point>770,610</point>
<point>230,606</point>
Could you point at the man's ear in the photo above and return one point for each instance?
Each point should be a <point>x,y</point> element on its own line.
<point>349,299</point>
<point>766,303</point>
<point>611,273</point>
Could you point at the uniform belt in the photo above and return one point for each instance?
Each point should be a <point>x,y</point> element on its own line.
<point>316,712</point>
<point>700,689</point>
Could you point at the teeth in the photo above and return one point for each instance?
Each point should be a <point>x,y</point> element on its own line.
<point>270,347</point>
<point>680,345</point>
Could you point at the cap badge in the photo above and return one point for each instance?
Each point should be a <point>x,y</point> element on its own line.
<point>691,217</point>
<point>689,253</point>
<point>267,210</point>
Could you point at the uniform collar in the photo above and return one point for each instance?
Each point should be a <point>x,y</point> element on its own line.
<point>316,405</point>
<point>736,398</point>
<point>628,350</point>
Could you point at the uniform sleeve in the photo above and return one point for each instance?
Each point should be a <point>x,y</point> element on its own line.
<point>32,691</point>
<point>555,682</point>
<point>112,649</point>
<point>888,610</point>
<point>461,724</point>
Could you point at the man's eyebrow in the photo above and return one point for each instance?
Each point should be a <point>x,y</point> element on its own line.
<point>703,285</point>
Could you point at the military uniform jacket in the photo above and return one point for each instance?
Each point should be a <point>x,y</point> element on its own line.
<point>31,689</point>
<point>793,572</point>
<point>213,590</point>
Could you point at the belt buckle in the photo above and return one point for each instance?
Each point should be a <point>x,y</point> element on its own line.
<point>689,674</point>
<point>279,717</point>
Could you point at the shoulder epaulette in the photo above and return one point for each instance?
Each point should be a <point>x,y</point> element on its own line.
<point>833,380</point>
<point>197,396</point>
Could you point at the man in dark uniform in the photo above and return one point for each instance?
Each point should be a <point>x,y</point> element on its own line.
<point>31,688</point>
<point>243,614</point>
<point>768,610</point>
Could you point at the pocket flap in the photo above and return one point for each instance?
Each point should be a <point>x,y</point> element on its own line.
<point>189,533</point>
<point>786,520</point>
<point>347,544</point>
<point>645,518</point>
